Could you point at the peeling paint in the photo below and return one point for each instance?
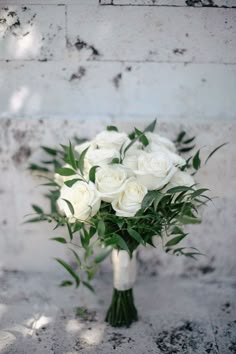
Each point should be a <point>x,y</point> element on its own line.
<point>203,3</point>
<point>180,51</point>
<point>79,74</point>
<point>80,44</point>
<point>116,80</point>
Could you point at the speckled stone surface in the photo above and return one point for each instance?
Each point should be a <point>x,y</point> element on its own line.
<point>176,315</point>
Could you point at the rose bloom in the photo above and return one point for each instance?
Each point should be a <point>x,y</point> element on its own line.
<point>110,139</point>
<point>180,178</point>
<point>102,156</point>
<point>110,181</point>
<point>156,169</point>
<point>158,140</point>
<point>84,198</point>
<point>130,199</point>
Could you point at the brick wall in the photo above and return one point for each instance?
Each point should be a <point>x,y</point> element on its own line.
<point>72,67</point>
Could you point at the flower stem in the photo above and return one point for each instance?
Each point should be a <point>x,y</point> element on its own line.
<point>122,311</point>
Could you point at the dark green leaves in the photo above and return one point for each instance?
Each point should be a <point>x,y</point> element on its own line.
<point>65,171</point>
<point>216,149</point>
<point>70,206</point>
<point>66,283</point>
<point>70,271</point>
<point>150,127</point>
<point>80,163</point>
<point>49,151</point>
<point>34,167</point>
<point>197,161</point>
<point>71,182</point>
<point>102,255</point>
<point>37,209</point>
<point>112,128</point>
<point>71,156</point>
<point>101,227</point>
<point>142,137</point>
<point>59,239</point>
<point>92,173</point>
<point>151,197</point>
<point>136,236</point>
<point>174,241</point>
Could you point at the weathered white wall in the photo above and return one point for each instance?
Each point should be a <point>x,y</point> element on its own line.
<point>74,66</point>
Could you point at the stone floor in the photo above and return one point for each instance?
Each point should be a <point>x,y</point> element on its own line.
<point>177,315</point>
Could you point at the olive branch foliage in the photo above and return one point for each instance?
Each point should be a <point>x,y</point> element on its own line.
<point>163,215</point>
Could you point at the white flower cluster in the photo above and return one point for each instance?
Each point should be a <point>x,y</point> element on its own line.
<point>125,184</point>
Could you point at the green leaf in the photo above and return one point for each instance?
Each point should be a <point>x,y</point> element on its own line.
<point>174,241</point>
<point>103,255</point>
<point>77,226</point>
<point>180,136</point>
<point>76,256</point>
<point>65,171</point>
<point>69,230</point>
<point>69,270</point>
<point>198,192</point>
<point>197,161</point>
<point>187,149</point>
<point>66,283</point>
<point>216,149</point>
<point>188,141</point>
<point>185,219</point>
<point>37,219</point>
<point>92,173</point>
<point>142,137</point>
<point>177,231</point>
<point>112,128</point>
<point>179,189</point>
<point>150,127</point>
<point>122,244</point>
<point>70,206</point>
<point>59,239</point>
<point>72,182</point>
<point>136,236</point>
<point>157,199</point>
<point>101,228</point>
<point>81,160</point>
<point>115,160</point>
<point>49,151</point>
<point>72,157</point>
<point>37,209</point>
<point>88,286</point>
<point>34,167</point>
<point>149,199</point>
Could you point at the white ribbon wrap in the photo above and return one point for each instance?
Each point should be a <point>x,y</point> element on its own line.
<point>124,270</point>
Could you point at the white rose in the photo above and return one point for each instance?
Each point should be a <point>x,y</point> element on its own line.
<point>135,148</point>
<point>180,178</point>
<point>130,199</point>
<point>110,181</point>
<point>84,198</point>
<point>101,156</point>
<point>156,139</point>
<point>155,169</point>
<point>110,139</point>
<point>130,162</point>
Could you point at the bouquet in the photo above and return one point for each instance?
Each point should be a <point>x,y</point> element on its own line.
<point>121,191</point>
